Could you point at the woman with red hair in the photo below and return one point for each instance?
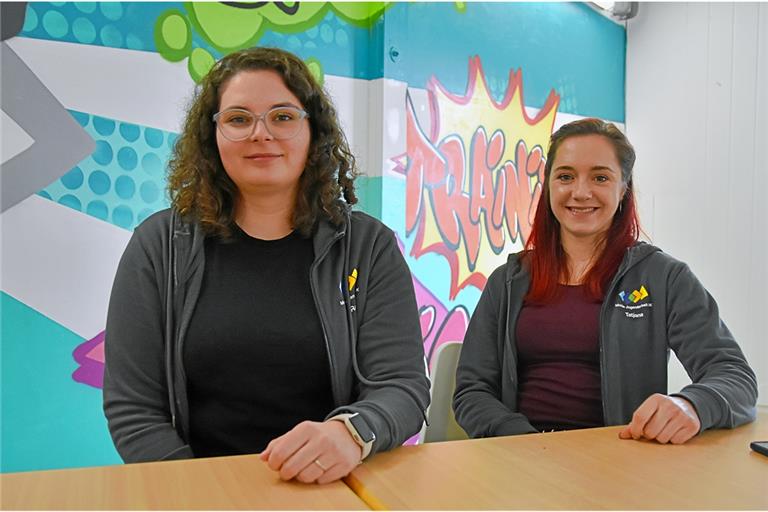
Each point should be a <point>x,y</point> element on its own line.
<point>575,331</point>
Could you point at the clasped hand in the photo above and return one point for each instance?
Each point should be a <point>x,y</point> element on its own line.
<point>665,419</point>
<point>313,452</point>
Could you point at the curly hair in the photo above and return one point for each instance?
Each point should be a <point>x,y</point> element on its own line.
<point>198,185</point>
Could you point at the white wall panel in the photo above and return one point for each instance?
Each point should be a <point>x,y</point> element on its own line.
<point>60,262</point>
<point>697,113</point>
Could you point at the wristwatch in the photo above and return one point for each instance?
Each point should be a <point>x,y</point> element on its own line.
<point>359,430</point>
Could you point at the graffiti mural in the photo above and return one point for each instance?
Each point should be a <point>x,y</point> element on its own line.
<point>439,325</point>
<point>472,184</point>
<point>452,156</point>
<point>230,26</point>
<point>90,358</point>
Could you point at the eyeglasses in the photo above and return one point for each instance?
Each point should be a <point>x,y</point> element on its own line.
<point>238,124</point>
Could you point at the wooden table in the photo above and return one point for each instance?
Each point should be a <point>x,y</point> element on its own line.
<point>584,469</point>
<point>242,482</point>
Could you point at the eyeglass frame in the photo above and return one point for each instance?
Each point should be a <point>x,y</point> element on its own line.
<point>259,117</point>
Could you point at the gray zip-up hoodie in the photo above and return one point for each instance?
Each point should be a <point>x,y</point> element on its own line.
<point>671,310</point>
<point>377,364</point>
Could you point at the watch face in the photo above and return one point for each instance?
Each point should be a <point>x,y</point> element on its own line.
<point>363,430</point>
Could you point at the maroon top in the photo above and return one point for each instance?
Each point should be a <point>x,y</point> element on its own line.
<point>559,362</point>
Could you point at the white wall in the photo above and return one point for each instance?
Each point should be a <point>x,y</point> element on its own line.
<point>697,113</point>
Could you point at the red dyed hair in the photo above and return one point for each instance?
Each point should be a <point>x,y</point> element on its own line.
<point>544,256</point>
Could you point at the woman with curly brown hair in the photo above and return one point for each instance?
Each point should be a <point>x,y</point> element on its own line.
<point>259,314</point>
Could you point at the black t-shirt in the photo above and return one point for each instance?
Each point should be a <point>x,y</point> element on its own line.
<point>255,357</point>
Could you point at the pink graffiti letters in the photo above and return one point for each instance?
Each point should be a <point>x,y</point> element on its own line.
<point>499,193</point>
<point>473,182</point>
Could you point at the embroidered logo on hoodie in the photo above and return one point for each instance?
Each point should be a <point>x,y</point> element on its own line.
<point>634,301</point>
<point>634,297</point>
<point>351,282</point>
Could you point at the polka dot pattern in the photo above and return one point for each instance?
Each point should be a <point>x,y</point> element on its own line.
<point>123,181</point>
<point>122,216</point>
<point>326,33</point>
<point>97,209</point>
<point>103,153</point>
<point>55,24</point>
<point>149,192</point>
<point>111,36</point>
<point>342,39</point>
<point>99,182</point>
<point>152,164</point>
<point>113,11</point>
<point>86,7</point>
<point>82,119</point>
<point>84,31</point>
<point>127,158</point>
<point>30,20</point>
<point>104,126</point>
<point>113,24</point>
<point>153,137</point>
<point>331,36</point>
<point>73,179</point>
<point>125,187</point>
<point>70,201</point>
<point>130,132</point>
<point>133,42</point>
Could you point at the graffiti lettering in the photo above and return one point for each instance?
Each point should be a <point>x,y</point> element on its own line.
<point>473,183</point>
<point>498,205</point>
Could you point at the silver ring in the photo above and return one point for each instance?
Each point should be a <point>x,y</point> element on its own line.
<point>321,466</point>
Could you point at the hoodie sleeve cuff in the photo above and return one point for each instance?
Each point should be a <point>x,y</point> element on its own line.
<point>513,426</point>
<point>706,404</point>
<point>182,452</point>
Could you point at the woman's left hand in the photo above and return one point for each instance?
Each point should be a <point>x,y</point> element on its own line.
<point>666,419</point>
<point>313,452</point>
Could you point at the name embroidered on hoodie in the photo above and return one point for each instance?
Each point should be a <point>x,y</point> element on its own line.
<point>634,301</point>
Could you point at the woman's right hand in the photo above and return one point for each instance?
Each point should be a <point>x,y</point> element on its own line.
<point>313,452</point>
<point>665,419</point>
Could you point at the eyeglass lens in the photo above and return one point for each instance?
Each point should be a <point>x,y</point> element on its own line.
<point>281,123</point>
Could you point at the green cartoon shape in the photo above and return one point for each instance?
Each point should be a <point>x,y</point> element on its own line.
<point>292,18</point>
<point>229,28</point>
<point>173,35</point>
<point>226,28</point>
<point>362,14</point>
<point>316,69</point>
<point>200,62</point>
<point>234,26</point>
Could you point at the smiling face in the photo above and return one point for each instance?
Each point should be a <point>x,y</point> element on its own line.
<point>262,163</point>
<point>585,187</point>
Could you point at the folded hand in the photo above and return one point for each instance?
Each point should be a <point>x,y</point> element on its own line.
<point>666,419</point>
<point>313,452</point>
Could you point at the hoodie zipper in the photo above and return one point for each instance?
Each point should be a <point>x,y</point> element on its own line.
<point>603,313</point>
<point>313,270</point>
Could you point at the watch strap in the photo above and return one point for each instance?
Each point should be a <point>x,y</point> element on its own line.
<point>366,446</point>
